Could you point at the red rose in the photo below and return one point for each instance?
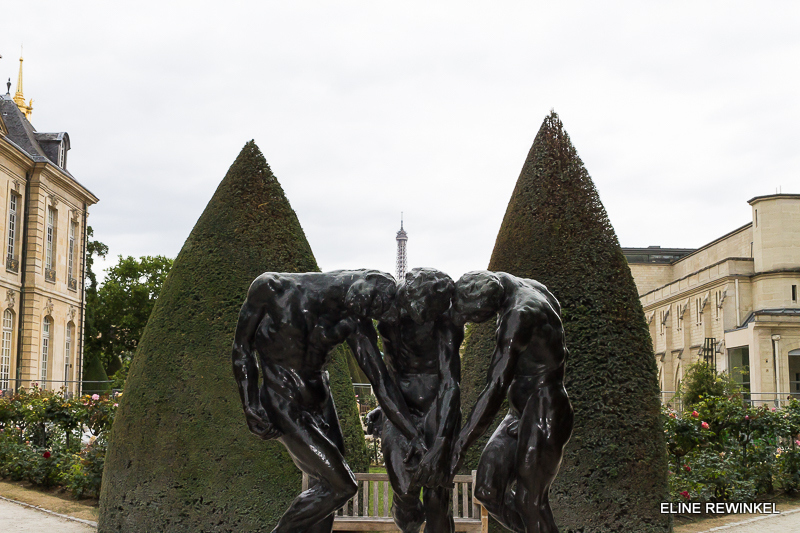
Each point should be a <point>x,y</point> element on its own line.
<point>687,468</point>
<point>46,455</point>
<point>685,494</point>
<point>695,414</point>
<point>705,425</point>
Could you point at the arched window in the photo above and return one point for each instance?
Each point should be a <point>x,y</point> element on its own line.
<point>46,327</point>
<point>67,354</point>
<point>5,349</point>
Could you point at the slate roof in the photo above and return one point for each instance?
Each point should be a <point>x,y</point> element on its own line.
<point>24,136</point>
<point>20,131</point>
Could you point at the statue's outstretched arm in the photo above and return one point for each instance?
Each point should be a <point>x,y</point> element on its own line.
<point>245,366</point>
<point>363,341</point>
<point>499,377</point>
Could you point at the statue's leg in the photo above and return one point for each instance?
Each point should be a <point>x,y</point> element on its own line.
<point>315,454</point>
<point>544,429</point>
<point>438,501</point>
<point>496,475</point>
<point>326,524</point>
<point>438,505</point>
<point>334,433</point>
<point>407,509</point>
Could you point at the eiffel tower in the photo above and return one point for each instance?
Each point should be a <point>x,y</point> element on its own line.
<point>402,259</point>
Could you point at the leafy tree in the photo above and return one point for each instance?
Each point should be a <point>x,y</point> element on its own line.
<point>555,230</point>
<point>180,457</point>
<point>123,305</point>
<point>93,249</point>
<point>702,381</point>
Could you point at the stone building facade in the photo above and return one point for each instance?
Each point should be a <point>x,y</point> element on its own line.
<point>43,213</point>
<point>732,303</point>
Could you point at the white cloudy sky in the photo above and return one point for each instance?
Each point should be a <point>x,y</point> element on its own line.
<point>681,112</point>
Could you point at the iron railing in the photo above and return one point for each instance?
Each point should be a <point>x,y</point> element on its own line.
<point>14,385</point>
<point>754,399</point>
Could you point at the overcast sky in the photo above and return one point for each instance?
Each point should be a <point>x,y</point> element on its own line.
<point>681,112</point>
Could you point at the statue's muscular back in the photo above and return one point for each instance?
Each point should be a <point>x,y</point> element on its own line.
<point>304,320</point>
<point>529,320</point>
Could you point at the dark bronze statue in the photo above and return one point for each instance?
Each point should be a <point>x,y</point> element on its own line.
<point>374,423</point>
<point>293,321</point>
<point>421,343</point>
<point>522,457</point>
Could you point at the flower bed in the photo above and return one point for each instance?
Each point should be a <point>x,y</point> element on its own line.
<point>50,440</point>
<point>722,449</point>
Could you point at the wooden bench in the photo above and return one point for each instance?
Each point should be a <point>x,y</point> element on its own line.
<point>358,515</point>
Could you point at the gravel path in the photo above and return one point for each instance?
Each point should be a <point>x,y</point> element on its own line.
<point>780,523</point>
<point>18,518</point>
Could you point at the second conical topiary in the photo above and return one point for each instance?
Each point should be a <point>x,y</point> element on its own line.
<point>181,458</point>
<point>556,231</point>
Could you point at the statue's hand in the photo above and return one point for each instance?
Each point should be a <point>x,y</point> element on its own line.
<point>416,448</point>
<point>259,424</point>
<point>455,459</point>
<point>434,469</point>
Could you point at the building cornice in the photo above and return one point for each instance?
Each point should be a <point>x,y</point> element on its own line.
<point>781,196</point>
<point>9,149</point>
<point>681,295</point>
<point>775,273</point>
<point>702,269</point>
<point>715,241</point>
<point>16,154</point>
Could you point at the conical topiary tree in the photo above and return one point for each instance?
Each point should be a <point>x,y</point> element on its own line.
<point>556,231</point>
<point>95,379</point>
<point>181,458</point>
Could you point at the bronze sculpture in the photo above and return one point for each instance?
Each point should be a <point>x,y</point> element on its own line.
<point>292,322</point>
<point>522,457</point>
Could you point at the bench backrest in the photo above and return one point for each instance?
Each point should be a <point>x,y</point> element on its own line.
<point>375,494</point>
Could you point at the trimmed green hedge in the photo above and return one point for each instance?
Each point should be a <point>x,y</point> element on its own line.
<point>94,375</point>
<point>180,456</point>
<point>556,231</point>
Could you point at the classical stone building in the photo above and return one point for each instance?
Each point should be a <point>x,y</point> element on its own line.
<point>732,302</point>
<point>43,224</point>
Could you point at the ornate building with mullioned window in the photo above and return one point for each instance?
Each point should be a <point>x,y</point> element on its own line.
<point>43,213</point>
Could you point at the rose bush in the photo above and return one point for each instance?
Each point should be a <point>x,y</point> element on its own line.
<point>723,449</point>
<point>41,439</point>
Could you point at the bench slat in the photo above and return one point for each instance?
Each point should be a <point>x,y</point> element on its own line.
<point>475,512</point>
<point>365,495</point>
<point>385,498</point>
<point>375,509</point>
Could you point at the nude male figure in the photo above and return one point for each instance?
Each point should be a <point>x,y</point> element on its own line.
<point>527,365</point>
<point>292,322</point>
<point>421,351</point>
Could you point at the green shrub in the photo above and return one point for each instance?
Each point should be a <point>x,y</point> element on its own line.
<point>701,381</point>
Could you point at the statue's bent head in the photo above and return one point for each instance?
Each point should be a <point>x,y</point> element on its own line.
<point>372,295</point>
<point>478,296</point>
<point>426,294</point>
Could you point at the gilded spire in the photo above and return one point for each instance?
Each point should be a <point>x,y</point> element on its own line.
<point>19,98</point>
